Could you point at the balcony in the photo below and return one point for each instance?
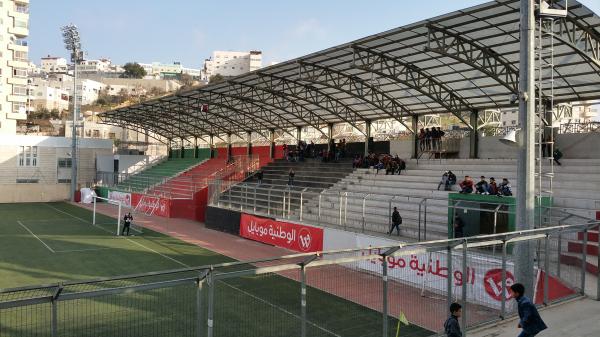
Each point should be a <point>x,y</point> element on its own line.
<point>21,8</point>
<point>16,80</point>
<point>19,32</point>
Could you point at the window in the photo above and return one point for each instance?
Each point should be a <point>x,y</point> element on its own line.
<point>20,72</point>
<point>27,181</point>
<point>28,155</point>
<point>21,56</point>
<point>513,122</point>
<point>19,90</point>
<point>64,163</point>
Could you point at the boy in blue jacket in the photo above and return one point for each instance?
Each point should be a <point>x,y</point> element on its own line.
<point>529,317</point>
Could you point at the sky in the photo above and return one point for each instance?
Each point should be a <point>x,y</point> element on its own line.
<point>189,30</point>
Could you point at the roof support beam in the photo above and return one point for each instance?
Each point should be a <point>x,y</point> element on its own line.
<point>254,116</point>
<point>583,40</point>
<point>277,100</point>
<point>200,111</point>
<point>412,77</point>
<point>314,96</point>
<point>442,41</point>
<point>356,87</point>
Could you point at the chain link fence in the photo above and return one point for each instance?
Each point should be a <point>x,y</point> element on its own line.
<point>353,292</point>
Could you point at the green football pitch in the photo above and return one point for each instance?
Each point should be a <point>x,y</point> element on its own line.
<point>46,243</point>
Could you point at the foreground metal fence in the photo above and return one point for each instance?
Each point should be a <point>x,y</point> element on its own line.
<point>354,292</point>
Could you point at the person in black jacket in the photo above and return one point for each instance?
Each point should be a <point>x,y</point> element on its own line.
<point>396,221</point>
<point>451,326</point>
<point>259,176</point>
<point>529,317</point>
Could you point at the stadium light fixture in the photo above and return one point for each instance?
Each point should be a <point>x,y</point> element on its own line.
<point>72,42</point>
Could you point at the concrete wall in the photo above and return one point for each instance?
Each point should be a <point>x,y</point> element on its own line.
<point>573,146</point>
<point>104,163</point>
<point>402,148</point>
<point>46,172</point>
<point>12,193</point>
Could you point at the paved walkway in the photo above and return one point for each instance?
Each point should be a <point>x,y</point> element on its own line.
<point>577,318</point>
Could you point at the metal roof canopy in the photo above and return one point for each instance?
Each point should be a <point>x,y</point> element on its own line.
<point>456,63</point>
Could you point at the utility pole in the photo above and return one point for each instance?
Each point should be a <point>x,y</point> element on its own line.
<point>73,44</point>
<point>524,251</point>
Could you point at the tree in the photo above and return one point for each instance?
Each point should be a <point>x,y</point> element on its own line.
<point>217,78</point>
<point>133,70</point>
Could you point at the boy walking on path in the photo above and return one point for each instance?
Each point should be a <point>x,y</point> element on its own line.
<point>529,317</point>
<point>451,326</point>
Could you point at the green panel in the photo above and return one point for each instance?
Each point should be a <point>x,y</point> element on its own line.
<point>203,154</point>
<point>102,191</point>
<point>188,153</point>
<point>477,222</point>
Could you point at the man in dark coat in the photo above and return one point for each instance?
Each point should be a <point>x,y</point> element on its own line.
<point>396,221</point>
<point>529,317</point>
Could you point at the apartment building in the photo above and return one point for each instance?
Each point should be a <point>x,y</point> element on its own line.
<point>14,63</point>
<point>168,71</point>
<point>54,64</point>
<point>231,63</point>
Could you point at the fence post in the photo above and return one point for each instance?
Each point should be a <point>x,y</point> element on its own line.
<point>303,300</point>
<point>269,201</point>
<point>94,213</point>
<point>419,222</point>
<point>199,306</point>
<point>546,267</point>
<point>54,322</point>
<point>464,287</point>
<point>283,206</point>
<point>346,211</point>
<point>503,293</point>
<point>301,200</point>
<point>584,260</point>
<point>364,204</point>
<point>211,303</point>
<point>425,221</point>
<point>559,250</point>
<point>450,276</point>
<point>255,188</point>
<point>384,267</point>
<point>319,215</point>
<point>341,200</point>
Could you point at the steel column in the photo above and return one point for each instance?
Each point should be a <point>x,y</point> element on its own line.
<point>503,288</point>
<point>464,288</point>
<point>415,137</point>
<point>211,304</point>
<point>449,279</point>
<point>546,267</point>
<point>329,137</point>
<point>584,260</point>
<point>303,300</point>
<point>524,254</point>
<point>249,143</point>
<point>384,267</point>
<point>474,136</point>
<point>199,307</point>
<point>272,143</point>
<point>367,136</point>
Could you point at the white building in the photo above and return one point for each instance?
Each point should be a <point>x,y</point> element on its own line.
<point>42,95</point>
<point>94,66</point>
<point>162,70</point>
<point>54,64</point>
<point>14,27</point>
<point>583,112</point>
<point>231,63</point>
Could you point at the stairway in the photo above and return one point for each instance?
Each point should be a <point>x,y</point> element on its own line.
<point>311,177</point>
<point>574,254</point>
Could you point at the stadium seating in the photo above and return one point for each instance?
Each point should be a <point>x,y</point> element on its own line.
<point>156,174</point>
<point>576,184</point>
<point>184,185</point>
<point>311,177</point>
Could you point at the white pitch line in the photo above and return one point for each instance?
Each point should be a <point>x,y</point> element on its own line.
<point>35,236</point>
<point>159,253</point>
<point>82,250</point>
<point>279,308</point>
<point>78,218</point>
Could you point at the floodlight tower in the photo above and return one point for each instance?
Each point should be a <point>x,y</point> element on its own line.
<point>72,41</point>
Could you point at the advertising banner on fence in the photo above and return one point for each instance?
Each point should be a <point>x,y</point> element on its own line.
<point>122,197</point>
<point>151,205</point>
<point>288,235</point>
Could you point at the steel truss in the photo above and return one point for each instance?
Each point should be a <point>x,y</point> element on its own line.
<point>411,76</point>
<point>356,87</point>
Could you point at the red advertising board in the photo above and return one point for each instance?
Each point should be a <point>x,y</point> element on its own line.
<point>292,236</point>
<point>151,204</point>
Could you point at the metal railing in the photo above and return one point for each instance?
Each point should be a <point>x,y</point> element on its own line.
<point>350,292</point>
<point>588,127</point>
<point>367,212</point>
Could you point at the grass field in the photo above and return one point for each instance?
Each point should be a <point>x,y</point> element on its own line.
<point>52,242</point>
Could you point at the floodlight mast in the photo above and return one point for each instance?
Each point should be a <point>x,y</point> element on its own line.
<point>72,42</point>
